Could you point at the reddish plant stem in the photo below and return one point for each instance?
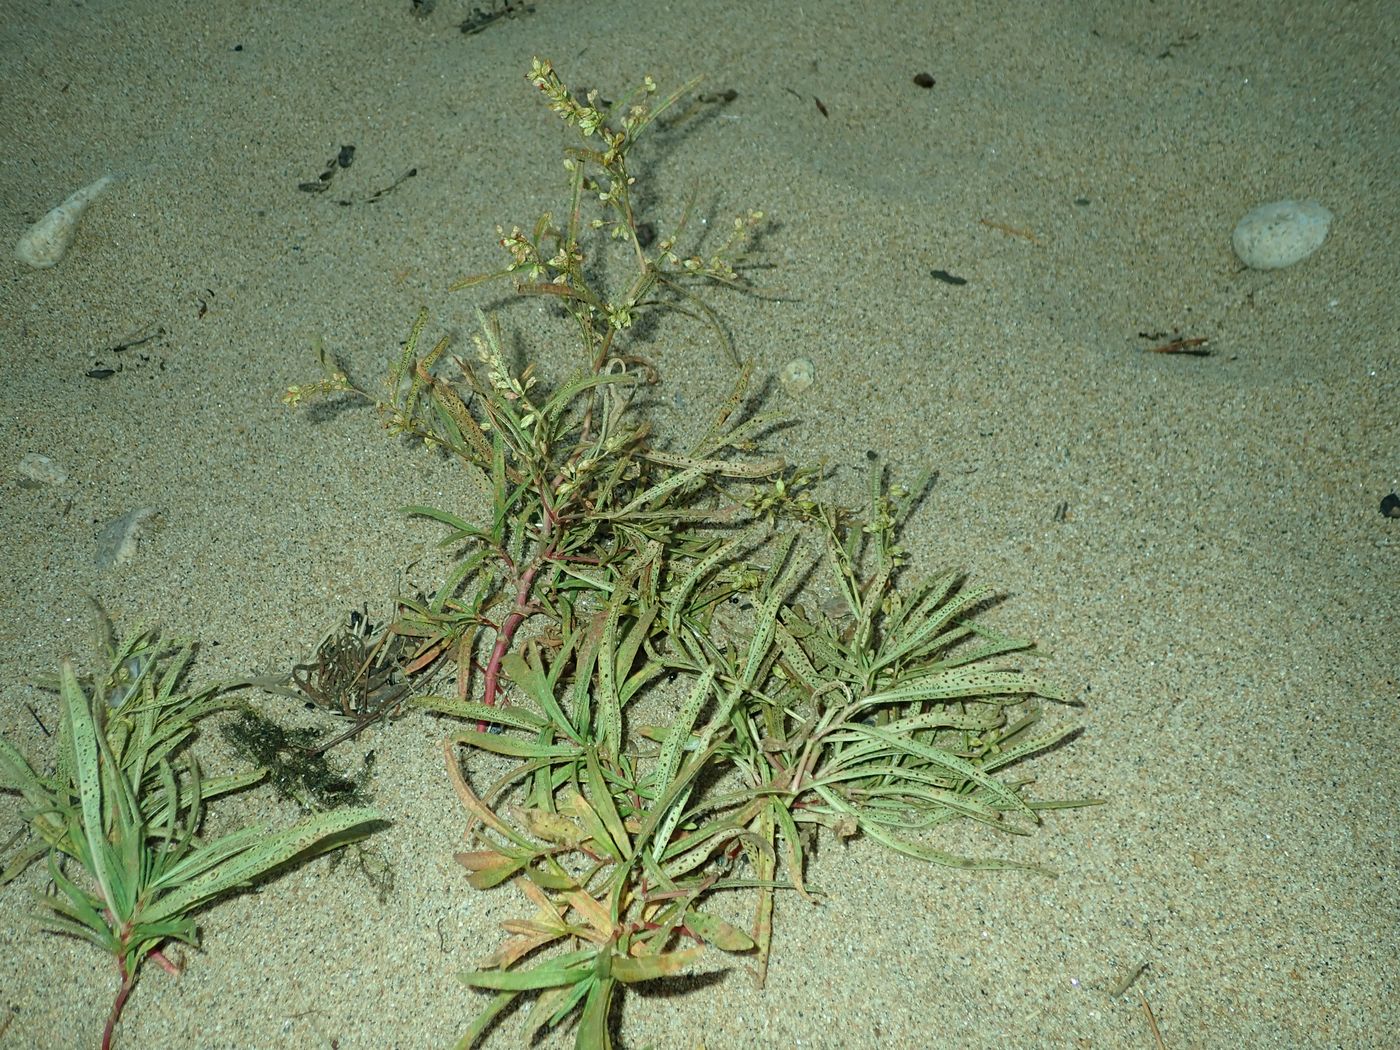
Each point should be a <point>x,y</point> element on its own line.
<point>520,609</point>
<point>522,606</point>
<point>128,981</point>
<point>162,960</point>
<point>506,634</point>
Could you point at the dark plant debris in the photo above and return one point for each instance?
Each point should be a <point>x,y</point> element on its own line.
<point>480,19</point>
<point>295,768</point>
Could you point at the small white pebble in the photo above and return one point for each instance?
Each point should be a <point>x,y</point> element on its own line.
<point>798,375</point>
<point>1280,233</point>
<point>36,469</point>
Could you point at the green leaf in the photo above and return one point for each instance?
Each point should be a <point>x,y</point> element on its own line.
<point>951,762</point>
<point>608,706</point>
<point>963,683</point>
<point>635,969</point>
<point>782,578</point>
<point>576,805</point>
<point>527,673</point>
<point>593,1025</point>
<point>678,735</point>
<point>552,1006</point>
<point>16,775</point>
<point>489,868</point>
<point>78,717</point>
<point>502,744</point>
<point>79,908</point>
<point>925,633</point>
<point>565,395</point>
<point>499,714</point>
<point>270,850</point>
<point>678,600</point>
<point>484,1019</point>
<point>568,968</point>
<point>461,528</point>
<point>602,801</point>
<point>713,930</point>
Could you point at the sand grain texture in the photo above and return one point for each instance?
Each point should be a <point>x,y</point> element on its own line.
<point>1222,593</point>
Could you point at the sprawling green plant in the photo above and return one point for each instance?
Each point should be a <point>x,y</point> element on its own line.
<point>634,631</point>
<point>124,805</point>
<point>884,719</point>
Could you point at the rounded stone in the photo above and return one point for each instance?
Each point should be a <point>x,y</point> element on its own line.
<point>1280,233</point>
<point>798,375</point>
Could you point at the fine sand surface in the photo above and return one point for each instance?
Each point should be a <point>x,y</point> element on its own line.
<point>1221,592</point>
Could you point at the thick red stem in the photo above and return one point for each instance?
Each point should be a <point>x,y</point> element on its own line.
<point>506,634</point>
<point>128,980</point>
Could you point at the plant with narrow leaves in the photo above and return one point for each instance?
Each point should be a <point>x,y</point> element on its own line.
<point>887,713</point>
<point>127,670</point>
<point>125,806</point>
<point>555,260</point>
<point>883,726</point>
<point>573,477</point>
<point>599,839</point>
<point>616,582</point>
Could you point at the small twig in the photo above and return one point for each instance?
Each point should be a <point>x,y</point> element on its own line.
<point>1152,1022</point>
<point>1012,230</point>
<point>38,720</point>
<point>1194,347</point>
<point>1127,980</point>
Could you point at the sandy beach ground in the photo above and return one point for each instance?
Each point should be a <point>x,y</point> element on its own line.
<point>1218,587</point>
